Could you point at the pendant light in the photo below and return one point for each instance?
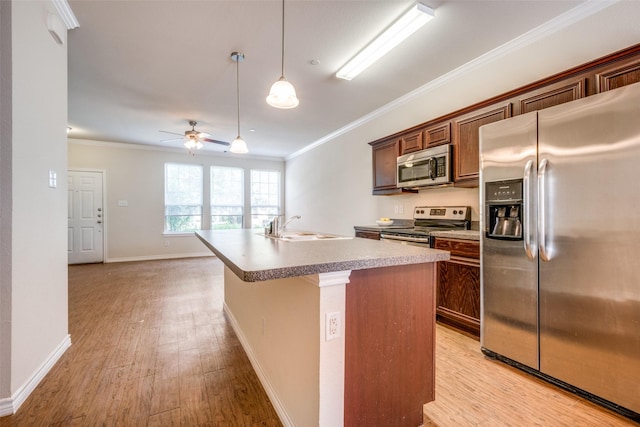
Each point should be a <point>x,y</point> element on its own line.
<point>238,145</point>
<point>282,93</point>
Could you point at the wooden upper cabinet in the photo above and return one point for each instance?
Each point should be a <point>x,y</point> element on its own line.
<point>466,141</point>
<point>438,134</point>
<point>618,74</point>
<point>550,95</point>
<point>410,142</point>
<point>385,160</point>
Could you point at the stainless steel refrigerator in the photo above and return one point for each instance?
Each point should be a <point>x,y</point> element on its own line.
<point>560,263</point>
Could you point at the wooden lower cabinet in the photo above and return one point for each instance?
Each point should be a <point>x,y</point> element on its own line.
<point>458,285</point>
<point>375,235</point>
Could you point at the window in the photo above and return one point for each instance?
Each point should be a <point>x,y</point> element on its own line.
<point>227,197</point>
<point>265,197</point>
<point>182,197</point>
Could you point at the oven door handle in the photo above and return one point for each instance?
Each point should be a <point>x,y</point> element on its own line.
<point>404,238</point>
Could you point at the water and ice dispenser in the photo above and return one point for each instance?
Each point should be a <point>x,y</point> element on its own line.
<point>504,211</point>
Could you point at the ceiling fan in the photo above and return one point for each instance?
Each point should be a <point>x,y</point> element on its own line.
<point>193,138</point>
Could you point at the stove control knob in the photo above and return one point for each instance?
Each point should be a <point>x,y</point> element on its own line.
<point>455,212</point>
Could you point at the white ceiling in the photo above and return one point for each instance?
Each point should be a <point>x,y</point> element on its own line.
<point>138,67</point>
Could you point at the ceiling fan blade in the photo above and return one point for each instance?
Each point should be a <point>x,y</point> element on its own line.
<point>215,141</point>
<point>172,133</point>
<point>203,135</point>
<point>172,140</point>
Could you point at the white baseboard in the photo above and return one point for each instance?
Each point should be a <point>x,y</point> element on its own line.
<point>9,406</point>
<point>273,396</point>
<point>159,257</point>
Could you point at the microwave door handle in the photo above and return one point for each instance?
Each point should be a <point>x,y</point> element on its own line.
<point>526,183</point>
<point>432,167</point>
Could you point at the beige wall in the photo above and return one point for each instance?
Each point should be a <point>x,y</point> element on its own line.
<point>35,262</point>
<point>330,185</point>
<point>136,174</point>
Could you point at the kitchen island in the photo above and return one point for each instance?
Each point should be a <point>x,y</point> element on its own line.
<point>340,331</point>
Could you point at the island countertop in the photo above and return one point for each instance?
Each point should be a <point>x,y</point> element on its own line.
<point>255,257</point>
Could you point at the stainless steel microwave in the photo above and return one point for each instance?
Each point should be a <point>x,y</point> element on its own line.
<point>425,168</point>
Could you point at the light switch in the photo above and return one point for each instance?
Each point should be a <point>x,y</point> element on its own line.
<point>123,203</point>
<point>53,179</point>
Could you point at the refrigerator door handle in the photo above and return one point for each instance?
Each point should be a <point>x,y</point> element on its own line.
<point>542,212</point>
<point>526,183</point>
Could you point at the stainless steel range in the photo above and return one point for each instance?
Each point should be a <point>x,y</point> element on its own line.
<point>428,219</point>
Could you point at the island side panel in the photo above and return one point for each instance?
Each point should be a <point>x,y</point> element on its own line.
<point>389,345</point>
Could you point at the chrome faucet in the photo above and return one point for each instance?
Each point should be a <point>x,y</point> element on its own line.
<point>277,228</point>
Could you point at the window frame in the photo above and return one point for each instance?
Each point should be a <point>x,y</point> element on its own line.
<point>200,188</point>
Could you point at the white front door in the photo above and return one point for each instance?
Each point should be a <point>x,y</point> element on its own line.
<point>86,217</point>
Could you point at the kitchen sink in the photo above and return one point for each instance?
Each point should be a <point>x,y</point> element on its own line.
<point>304,236</point>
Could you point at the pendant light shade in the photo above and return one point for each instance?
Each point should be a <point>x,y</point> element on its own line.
<point>282,93</point>
<point>238,145</point>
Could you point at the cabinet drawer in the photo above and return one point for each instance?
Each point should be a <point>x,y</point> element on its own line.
<point>462,248</point>
<point>368,234</point>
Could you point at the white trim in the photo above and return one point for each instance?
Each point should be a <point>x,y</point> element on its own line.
<point>140,146</point>
<point>10,405</point>
<point>560,22</point>
<point>333,278</point>
<point>159,257</point>
<point>66,14</point>
<point>273,397</point>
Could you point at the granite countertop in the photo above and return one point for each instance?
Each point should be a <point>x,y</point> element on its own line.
<point>254,257</point>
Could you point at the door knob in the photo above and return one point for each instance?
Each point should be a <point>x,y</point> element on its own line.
<point>99,222</point>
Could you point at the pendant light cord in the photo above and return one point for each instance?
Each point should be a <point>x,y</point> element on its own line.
<point>282,38</point>
<point>238,89</point>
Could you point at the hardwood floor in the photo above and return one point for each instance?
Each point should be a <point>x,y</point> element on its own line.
<point>150,347</point>
<point>472,390</point>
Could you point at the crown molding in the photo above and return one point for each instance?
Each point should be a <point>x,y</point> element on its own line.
<point>66,14</point>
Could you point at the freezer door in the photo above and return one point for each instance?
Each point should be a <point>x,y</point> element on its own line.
<point>589,152</point>
<point>509,269</point>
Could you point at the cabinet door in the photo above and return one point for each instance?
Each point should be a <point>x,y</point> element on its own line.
<point>618,74</point>
<point>438,134</point>
<point>555,94</point>
<point>385,161</point>
<point>410,143</point>
<point>458,294</point>
<point>458,285</point>
<point>467,140</point>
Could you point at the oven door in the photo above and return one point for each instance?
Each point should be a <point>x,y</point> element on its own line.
<point>421,241</point>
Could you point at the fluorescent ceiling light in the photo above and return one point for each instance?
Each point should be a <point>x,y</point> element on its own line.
<point>406,25</point>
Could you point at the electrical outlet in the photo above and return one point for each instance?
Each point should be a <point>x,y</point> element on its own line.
<point>400,208</point>
<point>332,329</point>
<point>167,243</point>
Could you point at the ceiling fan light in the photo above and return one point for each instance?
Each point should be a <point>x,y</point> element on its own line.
<point>282,95</point>
<point>189,143</point>
<point>199,144</point>
<point>238,146</point>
